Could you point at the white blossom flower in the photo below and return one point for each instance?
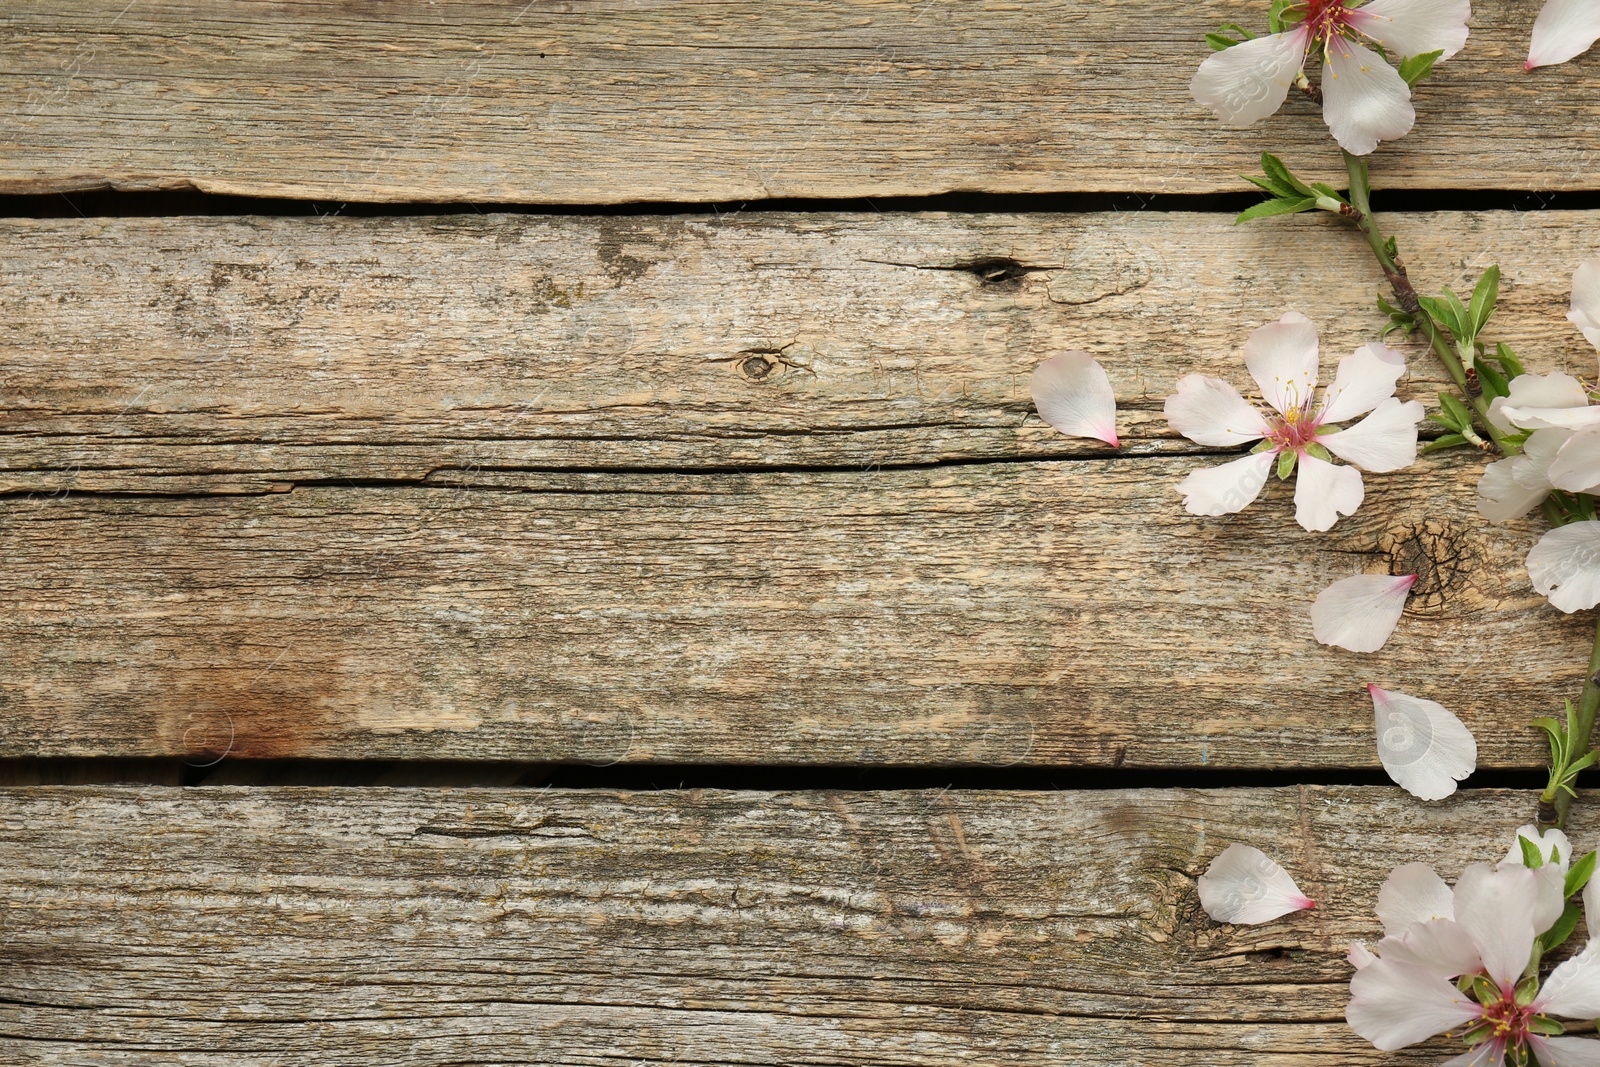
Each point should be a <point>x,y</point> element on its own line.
<point>1422,746</point>
<point>1405,989</point>
<point>1295,430</point>
<point>1073,394</point>
<point>1565,566</point>
<point>1243,885</point>
<point>1360,612</point>
<point>1364,100</point>
<point>1563,30</point>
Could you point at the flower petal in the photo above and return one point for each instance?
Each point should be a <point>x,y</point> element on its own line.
<point>1226,489</point>
<point>1540,450</point>
<point>1491,1053</point>
<point>1415,27</point>
<point>1073,394</point>
<point>1243,885</point>
<point>1573,989</point>
<point>1423,747</point>
<point>1394,1005</point>
<point>1565,1051</point>
<point>1497,908</point>
<point>1576,466</point>
<point>1564,29</point>
<point>1364,100</point>
<point>1385,440</point>
<point>1413,893</point>
<point>1209,411</point>
<point>1360,955</point>
<point>1364,380</point>
<point>1282,358</point>
<point>1323,492</point>
<point>1360,612</point>
<point>1565,566</point>
<point>1591,908</point>
<point>1441,946</point>
<point>1249,81</point>
<point>1538,401</point>
<point>1500,497</point>
<point>1546,839</point>
<point>1585,313</point>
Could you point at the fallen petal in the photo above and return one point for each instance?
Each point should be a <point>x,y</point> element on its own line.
<point>1359,613</point>
<point>1424,748</point>
<point>1565,566</point>
<point>1243,885</point>
<point>1563,30</point>
<point>1073,394</point>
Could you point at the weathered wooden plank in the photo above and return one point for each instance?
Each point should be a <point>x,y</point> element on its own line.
<point>1050,613</point>
<point>719,100</point>
<point>161,355</point>
<point>246,926</point>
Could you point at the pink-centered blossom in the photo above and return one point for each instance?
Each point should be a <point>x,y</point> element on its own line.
<point>1455,960</point>
<point>1294,428</point>
<point>1364,99</point>
<point>1564,29</point>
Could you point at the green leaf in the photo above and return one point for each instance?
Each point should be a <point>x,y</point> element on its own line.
<point>1278,172</point>
<point>1557,935</point>
<point>1494,383</point>
<point>1219,43</point>
<point>1484,294</point>
<point>1461,315</point>
<point>1316,451</point>
<point>1508,360</point>
<point>1286,460</point>
<point>1276,207</point>
<point>1275,15</point>
<point>1414,68</point>
<point>1578,875</point>
<point>1456,410</point>
<point>1543,1024</point>
<point>1442,313</point>
<point>1532,858</point>
<point>1444,419</point>
<point>1391,248</point>
<point>1277,189</point>
<point>1449,440</point>
<point>1329,191</point>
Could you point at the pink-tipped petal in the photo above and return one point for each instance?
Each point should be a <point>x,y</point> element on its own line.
<point>1364,100</point>
<point>1249,81</point>
<point>1282,358</point>
<point>1073,394</point>
<point>1423,747</point>
<point>1585,313</point>
<point>1385,440</point>
<point>1564,29</point>
<point>1226,489</point>
<point>1413,893</point>
<point>1323,492</point>
<point>1565,566</point>
<point>1416,27</point>
<point>1209,411</point>
<point>1360,612</point>
<point>1365,379</point>
<point>1243,885</point>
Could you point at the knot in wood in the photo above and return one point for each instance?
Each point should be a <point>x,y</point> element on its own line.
<point>1438,553</point>
<point>756,367</point>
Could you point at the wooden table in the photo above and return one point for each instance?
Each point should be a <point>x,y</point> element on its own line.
<point>526,538</point>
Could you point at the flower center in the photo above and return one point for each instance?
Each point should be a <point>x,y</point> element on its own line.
<point>1292,431</point>
<point>1327,19</point>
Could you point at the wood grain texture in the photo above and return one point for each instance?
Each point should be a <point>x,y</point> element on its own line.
<point>246,355</point>
<point>714,101</point>
<point>1047,613</point>
<point>434,927</point>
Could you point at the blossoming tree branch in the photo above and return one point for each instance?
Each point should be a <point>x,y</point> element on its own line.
<point>1468,959</point>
